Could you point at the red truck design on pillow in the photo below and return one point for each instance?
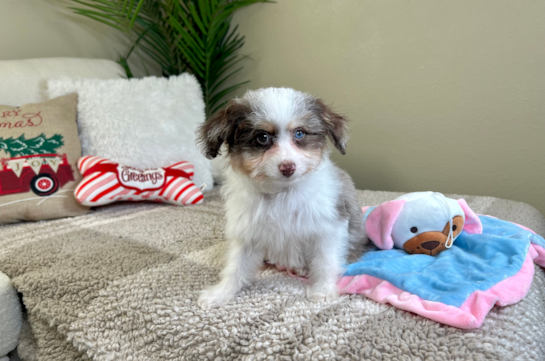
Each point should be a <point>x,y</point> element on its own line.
<point>44,174</point>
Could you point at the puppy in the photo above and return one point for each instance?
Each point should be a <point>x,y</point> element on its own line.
<point>285,201</point>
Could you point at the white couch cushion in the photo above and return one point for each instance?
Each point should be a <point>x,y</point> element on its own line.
<point>10,316</point>
<point>143,123</point>
<point>24,81</point>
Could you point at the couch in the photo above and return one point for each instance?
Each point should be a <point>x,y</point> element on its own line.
<point>121,283</point>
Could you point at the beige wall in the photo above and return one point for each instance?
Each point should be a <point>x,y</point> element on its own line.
<point>47,28</point>
<point>443,95</point>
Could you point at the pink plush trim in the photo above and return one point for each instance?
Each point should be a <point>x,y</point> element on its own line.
<point>470,315</point>
<point>472,223</point>
<point>380,221</point>
<point>539,257</point>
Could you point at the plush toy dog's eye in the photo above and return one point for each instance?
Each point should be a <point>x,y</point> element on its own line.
<point>299,134</point>
<point>414,229</point>
<point>454,227</point>
<point>263,139</point>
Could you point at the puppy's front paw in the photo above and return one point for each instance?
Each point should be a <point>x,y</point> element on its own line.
<point>214,297</point>
<point>321,294</point>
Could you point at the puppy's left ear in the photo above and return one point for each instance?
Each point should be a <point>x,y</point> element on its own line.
<point>335,124</point>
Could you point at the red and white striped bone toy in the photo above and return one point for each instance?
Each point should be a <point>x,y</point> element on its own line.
<point>106,182</point>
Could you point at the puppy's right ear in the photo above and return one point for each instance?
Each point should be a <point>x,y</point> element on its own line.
<point>220,127</point>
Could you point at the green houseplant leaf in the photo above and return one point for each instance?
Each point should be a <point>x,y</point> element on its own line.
<point>180,35</point>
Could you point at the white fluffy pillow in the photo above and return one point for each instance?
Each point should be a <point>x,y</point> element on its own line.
<point>143,123</point>
<point>10,316</point>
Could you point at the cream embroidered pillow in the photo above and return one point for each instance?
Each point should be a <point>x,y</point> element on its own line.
<point>39,149</point>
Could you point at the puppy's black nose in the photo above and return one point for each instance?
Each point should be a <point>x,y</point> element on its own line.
<point>287,169</point>
<point>430,245</point>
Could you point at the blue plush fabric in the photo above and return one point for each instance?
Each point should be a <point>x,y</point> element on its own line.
<point>474,262</point>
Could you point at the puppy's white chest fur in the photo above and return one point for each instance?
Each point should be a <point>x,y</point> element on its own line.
<point>287,226</point>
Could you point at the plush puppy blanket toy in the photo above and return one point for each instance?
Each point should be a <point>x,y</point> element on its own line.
<point>11,317</point>
<point>490,261</point>
<point>419,223</point>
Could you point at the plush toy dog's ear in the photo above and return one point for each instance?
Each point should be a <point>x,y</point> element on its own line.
<point>380,222</point>
<point>472,223</point>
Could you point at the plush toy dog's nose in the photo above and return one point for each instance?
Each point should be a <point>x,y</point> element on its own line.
<point>287,169</point>
<point>430,245</point>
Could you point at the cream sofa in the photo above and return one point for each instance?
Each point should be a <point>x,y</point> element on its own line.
<point>121,284</point>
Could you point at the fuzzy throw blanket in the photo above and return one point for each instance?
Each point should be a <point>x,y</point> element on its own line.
<point>121,284</point>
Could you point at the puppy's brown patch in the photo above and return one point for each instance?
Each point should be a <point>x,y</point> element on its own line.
<point>251,162</point>
<point>311,142</point>
<point>314,142</point>
<point>266,126</point>
<point>244,139</point>
<point>316,157</point>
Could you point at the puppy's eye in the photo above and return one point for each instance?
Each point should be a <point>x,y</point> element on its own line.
<point>414,229</point>
<point>263,139</point>
<point>299,134</point>
<point>454,227</point>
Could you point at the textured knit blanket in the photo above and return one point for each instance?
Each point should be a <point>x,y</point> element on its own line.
<point>121,284</point>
